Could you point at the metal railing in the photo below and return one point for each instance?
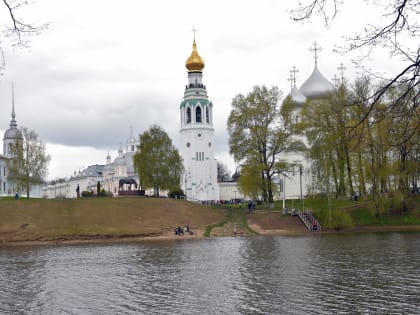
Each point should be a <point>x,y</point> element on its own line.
<point>309,220</point>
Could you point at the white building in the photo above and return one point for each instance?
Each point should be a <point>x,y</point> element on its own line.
<point>11,136</point>
<point>108,175</point>
<point>298,179</point>
<point>199,181</point>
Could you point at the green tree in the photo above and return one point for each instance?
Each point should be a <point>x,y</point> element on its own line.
<point>258,136</point>
<point>157,161</point>
<point>29,165</point>
<point>250,182</point>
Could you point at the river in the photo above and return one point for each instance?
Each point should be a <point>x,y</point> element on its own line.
<point>373,273</point>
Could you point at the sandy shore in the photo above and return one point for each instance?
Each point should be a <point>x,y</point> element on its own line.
<point>169,235</point>
<point>166,235</point>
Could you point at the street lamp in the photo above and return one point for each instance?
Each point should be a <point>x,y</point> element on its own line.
<point>301,191</point>
<point>284,190</point>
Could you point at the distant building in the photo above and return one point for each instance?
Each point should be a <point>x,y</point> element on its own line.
<point>107,175</point>
<point>13,135</point>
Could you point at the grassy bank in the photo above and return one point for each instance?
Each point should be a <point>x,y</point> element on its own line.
<point>43,220</point>
<point>337,214</point>
<point>235,218</point>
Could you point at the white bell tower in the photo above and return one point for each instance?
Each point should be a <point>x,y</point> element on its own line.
<point>199,181</point>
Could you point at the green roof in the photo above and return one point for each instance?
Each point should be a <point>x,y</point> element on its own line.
<point>194,102</point>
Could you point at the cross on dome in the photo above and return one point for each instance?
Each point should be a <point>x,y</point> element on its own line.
<point>315,49</point>
<point>290,79</point>
<point>293,73</point>
<point>336,80</point>
<point>194,30</point>
<point>341,68</point>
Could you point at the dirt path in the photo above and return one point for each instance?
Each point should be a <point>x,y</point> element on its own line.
<point>266,223</point>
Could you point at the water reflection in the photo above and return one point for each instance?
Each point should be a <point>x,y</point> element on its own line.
<point>369,273</point>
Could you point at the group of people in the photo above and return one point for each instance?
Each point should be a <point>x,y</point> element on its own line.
<point>183,231</point>
<point>251,206</point>
<point>235,232</point>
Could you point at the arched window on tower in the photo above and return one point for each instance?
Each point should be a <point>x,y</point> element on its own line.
<point>207,115</point>
<point>188,115</point>
<point>198,114</point>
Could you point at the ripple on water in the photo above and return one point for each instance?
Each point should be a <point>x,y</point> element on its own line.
<point>341,274</point>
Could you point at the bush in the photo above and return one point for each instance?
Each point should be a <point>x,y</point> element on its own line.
<point>102,193</point>
<point>176,192</point>
<point>87,193</point>
<point>340,219</point>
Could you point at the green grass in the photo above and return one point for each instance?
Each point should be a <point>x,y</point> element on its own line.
<point>40,219</point>
<point>368,218</point>
<point>348,213</point>
<point>299,204</point>
<point>235,217</point>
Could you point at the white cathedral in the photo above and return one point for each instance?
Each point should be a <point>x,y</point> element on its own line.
<point>199,180</point>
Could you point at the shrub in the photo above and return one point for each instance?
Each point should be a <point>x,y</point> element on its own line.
<point>87,193</point>
<point>340,219</point>
<point>176,192</point>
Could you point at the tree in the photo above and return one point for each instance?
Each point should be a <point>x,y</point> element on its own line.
<point>222,172</point>
<point>29,165</point>
<point>250,182</point>
<point>157,161</point>
<point>257,137</point>
<point>400,30</point>
<point>16,28</point>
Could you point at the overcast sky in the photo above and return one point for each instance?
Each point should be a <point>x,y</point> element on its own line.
<point>103,66</point>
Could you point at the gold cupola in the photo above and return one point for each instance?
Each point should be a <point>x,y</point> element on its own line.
<point>194,62</point>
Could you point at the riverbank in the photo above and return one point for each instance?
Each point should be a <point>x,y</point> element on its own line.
<point>114,220</point>
<point>100,219</point>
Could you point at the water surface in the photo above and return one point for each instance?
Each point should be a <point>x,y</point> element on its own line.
<point>322,274</point>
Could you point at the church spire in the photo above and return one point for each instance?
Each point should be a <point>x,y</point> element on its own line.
<point>13,121</point>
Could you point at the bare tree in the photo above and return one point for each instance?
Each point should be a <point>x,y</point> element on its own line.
<point>16,28</point>
<point>402,21</point>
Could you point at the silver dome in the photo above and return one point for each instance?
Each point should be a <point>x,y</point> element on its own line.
<point>316,86</point>
<point>297,97</point>
<point>13,133</point>
<point>119,161</point>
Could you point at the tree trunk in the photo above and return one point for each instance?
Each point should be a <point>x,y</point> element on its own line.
<point>349,175</point>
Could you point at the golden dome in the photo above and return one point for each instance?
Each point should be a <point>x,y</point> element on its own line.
<point>194,62</point>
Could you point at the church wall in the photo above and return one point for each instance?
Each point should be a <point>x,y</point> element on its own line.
<point>230,191</point>
<point>200,180</point>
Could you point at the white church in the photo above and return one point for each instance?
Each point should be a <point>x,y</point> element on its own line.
<point>199,180</point>
<point>12,135</point>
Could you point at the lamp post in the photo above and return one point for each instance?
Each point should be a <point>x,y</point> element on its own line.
<point>328,191</point>
<point>301,191</point>
<point>284,190</point>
